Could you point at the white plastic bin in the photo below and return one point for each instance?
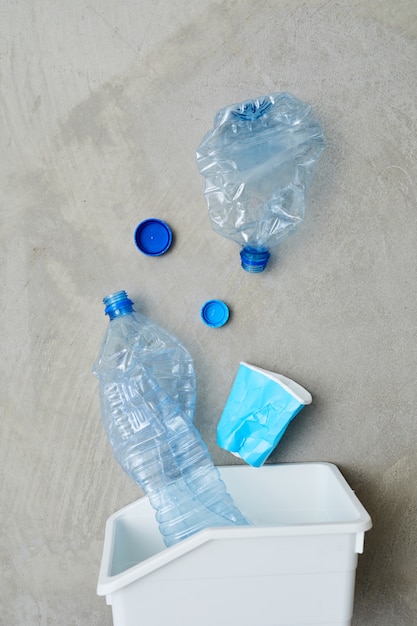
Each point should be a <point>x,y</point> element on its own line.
<point>295,565</point>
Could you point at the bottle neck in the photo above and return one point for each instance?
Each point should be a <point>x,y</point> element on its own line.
<point>117,304</point>
<point>254,259</point>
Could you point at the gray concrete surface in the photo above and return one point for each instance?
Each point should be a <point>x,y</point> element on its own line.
<point>102,106</point>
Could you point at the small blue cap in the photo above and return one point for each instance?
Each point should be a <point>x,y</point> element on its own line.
<point>153,237</point>
<point>214,313</point>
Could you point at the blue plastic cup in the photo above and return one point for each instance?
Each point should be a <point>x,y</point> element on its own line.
<point>258,410</point>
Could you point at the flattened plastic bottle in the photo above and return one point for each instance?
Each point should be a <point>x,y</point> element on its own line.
<point>147,395</point>
<point>258,161</point>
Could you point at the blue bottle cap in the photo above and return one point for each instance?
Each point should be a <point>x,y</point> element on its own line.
<point>153,237</point>
<point>214,313</point>
<point>253,259</point>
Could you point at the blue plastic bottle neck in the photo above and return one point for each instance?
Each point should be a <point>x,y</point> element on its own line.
<point>254,259</point>
<point>117,304</point>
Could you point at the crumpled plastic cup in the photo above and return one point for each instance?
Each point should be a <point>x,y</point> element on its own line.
<point>258,410</point>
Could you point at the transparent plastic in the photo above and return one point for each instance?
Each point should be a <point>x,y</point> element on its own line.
<point>147,395</point>
<point>258,161</point>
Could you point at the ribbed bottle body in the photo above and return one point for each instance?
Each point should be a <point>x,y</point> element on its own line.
<point>147,395</point>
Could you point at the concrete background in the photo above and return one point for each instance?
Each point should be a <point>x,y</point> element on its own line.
<point>102,106</point>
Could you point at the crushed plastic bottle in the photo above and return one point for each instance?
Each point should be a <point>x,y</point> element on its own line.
<point>258,161</point>
<point>147,396</point>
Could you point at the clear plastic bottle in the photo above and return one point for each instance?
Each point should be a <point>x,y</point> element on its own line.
<point>258,161</point>
<point>147,396</point>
